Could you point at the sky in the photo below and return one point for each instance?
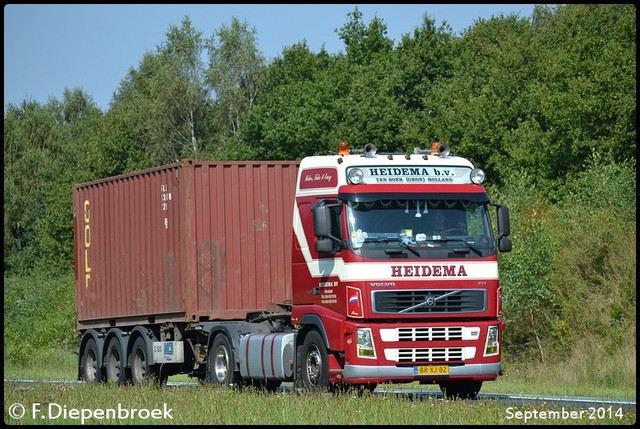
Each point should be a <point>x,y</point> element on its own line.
<point>50,47</point>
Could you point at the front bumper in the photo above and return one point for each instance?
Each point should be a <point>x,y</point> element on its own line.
<point>487,371</point>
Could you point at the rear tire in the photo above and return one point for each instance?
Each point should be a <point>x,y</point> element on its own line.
<point>220,363</point>
<point>114,364</point>
<point>140,364</point>
<point>90,370</point>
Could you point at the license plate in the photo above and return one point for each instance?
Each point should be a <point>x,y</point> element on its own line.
<point>431,370</point>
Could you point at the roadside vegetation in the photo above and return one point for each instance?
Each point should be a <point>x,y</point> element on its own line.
<point>546,105</point>
<point>202,405</point>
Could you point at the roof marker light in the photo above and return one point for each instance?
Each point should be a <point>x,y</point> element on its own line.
<point>434,148</point>
<point>424,152</point>
<point>343,148</point>
<point>440,149</point>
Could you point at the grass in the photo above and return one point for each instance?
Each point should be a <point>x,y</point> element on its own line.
<point>561,380</point>
<point>73,403</point>
<point>108,404</point>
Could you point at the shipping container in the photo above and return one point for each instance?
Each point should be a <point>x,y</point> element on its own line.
<point>186,242</point>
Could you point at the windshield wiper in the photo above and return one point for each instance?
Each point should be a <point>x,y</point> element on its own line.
<point>394,240</point>
<point>469,245</point>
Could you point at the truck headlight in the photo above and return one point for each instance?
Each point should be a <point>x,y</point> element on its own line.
<point>493,341</point>
<point>364,343</point>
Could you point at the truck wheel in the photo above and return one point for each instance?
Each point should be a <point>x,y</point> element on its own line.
<point>90,370</point>
<point>460,389</point>
<point>140,365</point>
<point>313,363</point>
<point>113,362</point>
<point>220,363</point>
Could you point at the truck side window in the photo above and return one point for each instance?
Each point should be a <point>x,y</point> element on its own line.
<point>336,229</point>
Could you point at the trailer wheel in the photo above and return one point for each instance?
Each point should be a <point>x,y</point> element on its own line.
<point>460,389</point>
<point>313,363</point>
<point>114,363</point>
<point>220,363</point>
<point>140,366</point>
<point>91,372</point>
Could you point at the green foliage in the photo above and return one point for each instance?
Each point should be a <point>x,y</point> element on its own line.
<point>423,59</point>
<point>162,108</point>
<point>572,272</point>
<point>236,72</point>
<point>364,43</point>
<point>598,264</point>
<point>530,300</point>
<point>39,314</point>
<point>297,110</point>
<point>45,149</point>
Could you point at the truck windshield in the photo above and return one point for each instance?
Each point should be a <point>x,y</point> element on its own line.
<point>382,227</point>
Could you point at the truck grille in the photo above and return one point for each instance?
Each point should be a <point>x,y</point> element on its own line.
<point>429,301</point>
<point>430,355</point>
<point>430,334</point>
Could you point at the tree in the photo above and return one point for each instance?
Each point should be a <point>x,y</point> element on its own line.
<point>423,58</point>
<point>32,138</point>
<point>47,149</point>
<point>363,43</point>
<point>296,111</point>
<point>166,101</point>
<point>236,72</point>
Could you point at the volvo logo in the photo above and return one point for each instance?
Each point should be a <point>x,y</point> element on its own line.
<point>429,301</point>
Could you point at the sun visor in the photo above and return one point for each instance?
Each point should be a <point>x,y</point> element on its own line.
<point>367,193</point>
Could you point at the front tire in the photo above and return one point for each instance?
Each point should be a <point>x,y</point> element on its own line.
<point>313,363</point>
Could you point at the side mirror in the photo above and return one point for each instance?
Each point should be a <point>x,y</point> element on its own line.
<point>504,229</point>
<point>324,245</point>
<point>321,221</point>
<point>504,225</point>
<point>504,244</point>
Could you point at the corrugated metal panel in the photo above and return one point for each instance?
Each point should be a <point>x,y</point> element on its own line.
<point>184,242</point>
<point>243,246</point>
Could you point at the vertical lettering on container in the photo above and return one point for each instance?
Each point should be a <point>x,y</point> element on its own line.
<point>87,244</point>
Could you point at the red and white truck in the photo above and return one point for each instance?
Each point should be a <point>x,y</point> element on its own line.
<point>330,272</point>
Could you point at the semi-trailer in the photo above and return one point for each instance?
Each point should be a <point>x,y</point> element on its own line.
<point>329,272</point>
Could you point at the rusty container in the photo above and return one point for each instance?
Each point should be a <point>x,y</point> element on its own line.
<point>185,242</point>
